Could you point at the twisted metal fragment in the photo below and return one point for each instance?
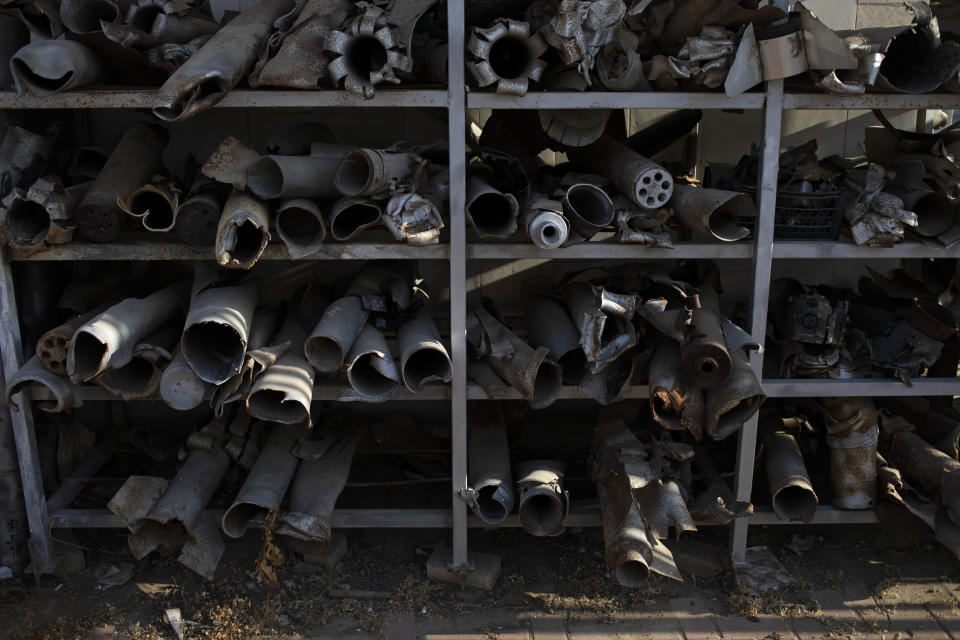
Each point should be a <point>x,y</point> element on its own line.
<point>50,66</point>
<point>366,52</point>
<point>66,395</point>
<point>243,231</point>
<point>506,54</point>
<point>490,492</point>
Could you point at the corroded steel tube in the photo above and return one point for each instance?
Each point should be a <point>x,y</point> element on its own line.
<point>713,212</point>
<point>543,502</point>
<point>423,358</point>
<point>643,181</point>
<point>243,231</point>
<point>334,335</point>
<point>490,481</point>
<point>491,213</point>
<point>46,67</point>
<point>284,391</point>
<point>300,226</point>
<point>790,486</point>
<point>371,369</point>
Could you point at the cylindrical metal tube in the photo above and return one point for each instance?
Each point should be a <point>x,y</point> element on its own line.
<point>423,358</point>
<point>300,226</point>
<point>491,213</point>
<point>371,369</point>
<point>852,436</point>
<point>549,325</point>
<point>46,67</point>
<point>713,212</point>
<point>350,216</point>
<point>369,172</point>
<point>294,176</point>
<point>180,387</point>
<point>66,395</point>
<point>545,225</point>
<point>489,472</point>
<point>52,347</point>
<point>154,204</point>
<point>588,208</point>
<point>243,231</point>
<point>704,358</point>
<point>84,16</point>
<point>284,391</point>
<point>334,335</point>
<point>935,212</point>
<point>198,214</point>
<point>543,502</point>
<point>645,182</point>
<point>674,403</point>
<point>790,486</point>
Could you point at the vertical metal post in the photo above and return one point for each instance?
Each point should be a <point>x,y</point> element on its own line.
<point>762,265</point>
<point>456,113</point>
<point>35,502</point>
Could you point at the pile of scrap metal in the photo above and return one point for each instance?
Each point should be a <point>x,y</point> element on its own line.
<point>302,183</point>
<point>894,326</point>
<point>609,184</point>
<point>231,340</point>
<point>605,329</point>
<point>576,45</point>
<point>198,57</point>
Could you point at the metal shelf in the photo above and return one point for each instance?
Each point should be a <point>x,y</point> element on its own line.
<point>322,393</point>
<point>615,100</point>
<point>609,251</point>
<point>177,251</point>
<point>865,387</point>
<point>567,392</point>
<point>824,101</point>
<point>236,99</point>
<point>824,515</point>
<point>833,250</point>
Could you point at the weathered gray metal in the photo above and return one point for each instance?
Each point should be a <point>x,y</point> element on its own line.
<point>300,225</point>
<point>549,325</point>
<point>180,387</point>
<point>284,391</point>
<point>350,216</point>
<point>199,212</point>
<point>333,337</point>
<point>413,219</point>
<point>423,358</point>
<point>33,219</point>
<point>935,212</point>
<point>230,162</point>
<point>88,162</point>
<point>490,491</point>
<point>645,182</point>
<point>588,208</point>
<point>674,402</point>
<point>13,36</point>
<point>23,154</point>
<point>84,16</point>
<point>66,395</point>
<point>852,435</point>
<point>46,67</point>
<point>296,58</point>
<point>53,345</point>
<point>218,325</point>
<point>712,212</point>
<point>376,172</point>
<point>740,396</point>
<point>544,223</point>
<point>506,54</point>
<point>297,176</point>
<point>220,64</point>
<point>490,212</point>
<point>371,369</point>
<point>256,359</point>
<point>155,204</point>
<point>543,503</point>
<point>108,341</point>
<point>606,332</point>
<point>790,487</point>
<point>139,379</point>
<point>243,231</point>
<point>704,358</point>
<point>132,163</point>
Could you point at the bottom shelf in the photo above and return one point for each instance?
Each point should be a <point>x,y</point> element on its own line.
<point>825,515</point>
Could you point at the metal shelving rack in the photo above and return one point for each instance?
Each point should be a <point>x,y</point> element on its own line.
<point>43,514</point>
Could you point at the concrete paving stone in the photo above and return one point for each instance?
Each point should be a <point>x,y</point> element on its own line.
<point>860,599</point>
<point>915,621</point>
<point>513,634</point>
<point>808,628</point>
<point>949,621</point>
<point>400,626</point>
<point>740,628</point>
<point>653,628</point>
<point>476,635</point>
<point>835,611</point>
<point>699,627</point>
<point>548,628</point>
<point>102,632</point>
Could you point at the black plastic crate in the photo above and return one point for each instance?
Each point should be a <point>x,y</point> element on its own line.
<point>801,216</point>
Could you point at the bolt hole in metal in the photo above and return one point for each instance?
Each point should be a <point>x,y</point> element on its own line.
<point>365,54</point>
<point>708,366</point>
<point>492,213</point>
<point>510,57</point>
<point>301,226</point>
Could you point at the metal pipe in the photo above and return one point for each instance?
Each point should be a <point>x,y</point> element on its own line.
<point>140,378</point>
<point>674,402</point>
<point>604,337</point>
<point>243,231</point>
<point>740,396</point>
<point>198,214</point>
<point>372,172</point>
<point>53,345</point>
<point>350,216</point>
<point>230,163</point>
<point>704,358</point>
<point>85,16</point>
<point>713,212</point>
<point>218,325</point>
<point>134,160</point>
<point>790,486</point>
<point>180,387</point>
<point>40,216</point>
<point>300,226</point>
<point>257,358</point>
<point>295,176</point>
<point>107,341</point>
<point>220,64</point>
<point>935,212</point>
<point>333,337</point>
<point>645,182</point>
<point>284,391</point>
<point>491,213</point>
<point>66,395</point>
<point>588,208</point>
<point>490,483</point>
<point>46,67</point>
<point>543,502</point>
<point>423,358</point>
<point>367,49</point>
<point>852,436</point>
<point>544,223</point>
<point>267,483</point>
<point>371,370</point>
<point>154,204</point>
<point>506,54</point>
<point>549,325</point>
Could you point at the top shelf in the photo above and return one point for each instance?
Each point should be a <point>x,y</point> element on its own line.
<point>872,101</point>
<point>615,100</point>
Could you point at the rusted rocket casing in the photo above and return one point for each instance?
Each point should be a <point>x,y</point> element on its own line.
<point>549,325</point>
<point>243,231</point>
<point>217,326</point>
<point>423,358</point>
<point>315,490</point>
<point>134,160</point>
<point>107,341</point>
<point>852,435</point>
<point>350,216</point>
<point>220,64</point>
<point>296,176</point>
<point>491,485</point>
<point>257,358</point>
<point>588,208</point>
<point>230,162</point>
<point>154,204</point>
<point>199,213</point>
<point>604,337</point>
<point>619,68</point>
<point>645,182</point>
<point>506,54</point>
<point>790,486</point>
<point>40,216</point>
<point>740,396</point>
<point>84,16</point>
<point>13,36</point>
<point>704,358</point>
<point>140,378</point>
<point>713,212</point>
<point>545,225</point>
<point>674,402</point>
<point>935,212</point>
<point>491,213</point>
<point>180,387</point>
<point>300,226</point>
<point>284,391</point>
<point>543,503</point>
<point>267,482</point>
<point>531,372</point>
<point>370,172</point>
<point>46,67</point>
<point>53,345</point>
<point>625,534</point>
<point>333,337</point>
<point>371,370</point>
<point>483,374</point>
<point>300,61</point>
<point>66,395</point>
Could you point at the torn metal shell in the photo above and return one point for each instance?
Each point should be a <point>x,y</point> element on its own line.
<point>366,52</point>
<point>588,208</point>
<point>257,358</point>
<point>296,176</point>
<point>180,387</point>
<point>746,71</point>
<point>66,395</point>
<point>40,17</point>
<point>612,383</point>
<point>852,433</point>
<point>737,399</point>
<point>674,402</point>
<point>571,127</point>
<point>132,163</point>
<point>423,358</point>
<point>605,334</point>
<point>935,212</point>
<point>645,182</point>
<point>350,216</point>
<point>23,157</point>
<point>915,58</point>
<point>640,225</point>
<point>46,67</point>
<point>790,486</point>
<point>545,225</point>
<point>549,325</point>
<point>198,214</point>
<point>220,64</point>
<point>543,503</point>
<point>619,68</point>
<point>704,358</point>
<point>713,212</point>
<point>13,36</point>
<point>904,350</point>
<point>371,369</point>
<point>580,28</point>
<point>413,219</point>
<point>243,231</point>
<point>218,325</point>
<point>333,337</point>
<point>315,489</point>
<point>53,345</point>
<point>506,54</point>
<point>300,226</point>
<point>107,341</point>
<point>267,483</point>
<point>154,204</point>
<point>376,172</point>
<point>301,61</point>
<point>490,212</point>
<point>31,220</point>
<point>781,49</point>
<point>491,485</point>
<point>230,162</point>
<point>140,378</point>
<point>482,374</point>
<point>284,391</point>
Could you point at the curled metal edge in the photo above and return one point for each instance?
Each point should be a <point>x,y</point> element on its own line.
<point>129,382</point>
<point>572,209</point>
<point>338,327</point>
<point>418,339</point>
<point>413,219</point>
<point>371,345</point>
<point>295,246</point>
<point>792,492</point>
<point>490,481</point>
<point>737,399</point>
<point>230,162</point>
<point>167,191</point>
<point>66,395</point>
<point>35,66</point>
<point>477,188</point>
<point>238,211</point>
<point>257,358</point>
<point>542,479</point>
<point>20,209</point>
<point>284,391</point>
<point>712,212</point>
<point>540,218</point>
<point>674,403</point>
<point>549,325</point>
<point>344,208</point>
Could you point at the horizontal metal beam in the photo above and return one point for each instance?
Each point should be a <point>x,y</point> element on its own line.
<point>237,99</point>
<point>866,387</point>
<point>822,101</point>
<point>824,515</point>
<point>177,251</point>
<point>323,393</point>
<point>615,100</point>
<point>567,392</point>
<point>342,518</point>
<point>847,251</point>
<point>609,251</point>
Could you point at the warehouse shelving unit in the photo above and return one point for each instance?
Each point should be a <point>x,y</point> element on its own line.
<point>44,514</point>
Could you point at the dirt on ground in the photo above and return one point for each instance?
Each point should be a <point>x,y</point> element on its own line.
<point>565,575</point>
